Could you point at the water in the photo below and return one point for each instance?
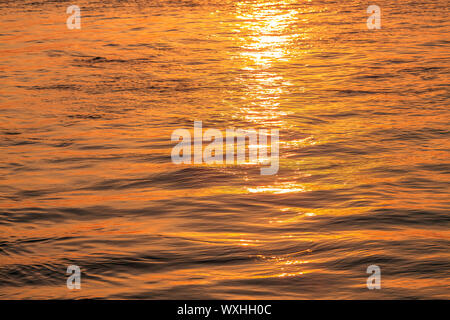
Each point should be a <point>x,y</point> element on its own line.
<point>87,178</point>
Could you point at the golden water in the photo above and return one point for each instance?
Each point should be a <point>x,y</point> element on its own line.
<point>87,178</point>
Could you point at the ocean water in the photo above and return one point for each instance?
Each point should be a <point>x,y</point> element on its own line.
<point>86,176</point>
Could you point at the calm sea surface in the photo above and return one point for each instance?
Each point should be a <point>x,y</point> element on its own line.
<point>86,176</point>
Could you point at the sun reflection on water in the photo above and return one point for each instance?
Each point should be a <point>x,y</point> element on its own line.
<point>265,39</point>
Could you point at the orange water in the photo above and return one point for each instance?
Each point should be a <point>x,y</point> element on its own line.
<point>87,178</point>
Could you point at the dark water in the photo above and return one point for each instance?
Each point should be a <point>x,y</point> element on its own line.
<point>87,178</point>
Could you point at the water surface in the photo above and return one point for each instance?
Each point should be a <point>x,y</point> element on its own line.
<point>86,176</point>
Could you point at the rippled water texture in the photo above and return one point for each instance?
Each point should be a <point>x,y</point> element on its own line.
<point>87,178</point>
